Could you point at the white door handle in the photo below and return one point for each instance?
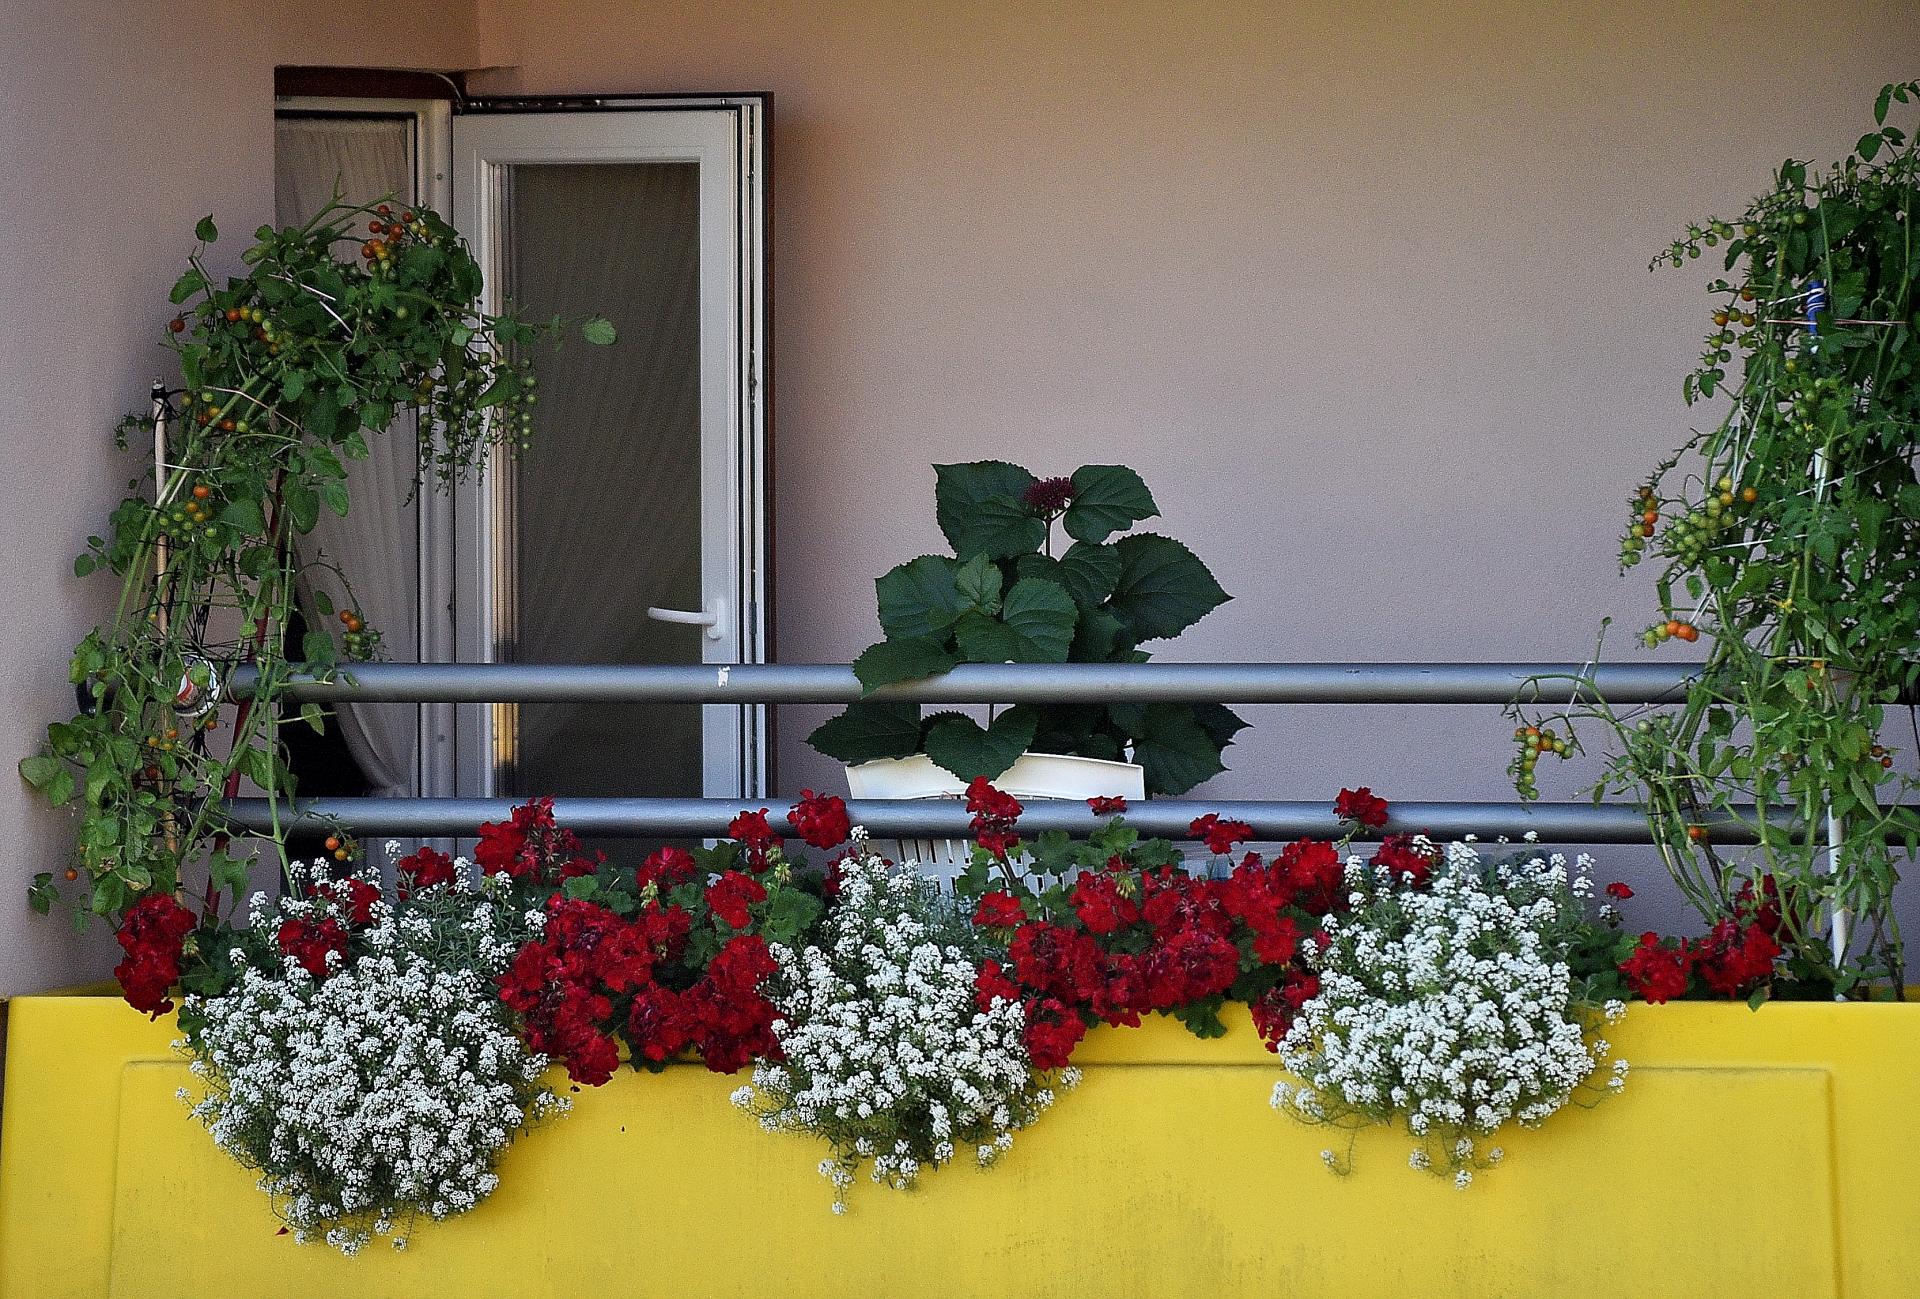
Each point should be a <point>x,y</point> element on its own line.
<point>711,618</point>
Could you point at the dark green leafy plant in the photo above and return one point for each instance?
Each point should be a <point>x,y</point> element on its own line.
<point>287,370</point>
<point>1004,595</point>
<point>1789,540</point>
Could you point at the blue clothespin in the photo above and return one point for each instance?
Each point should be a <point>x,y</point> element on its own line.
<point>1816,303</point>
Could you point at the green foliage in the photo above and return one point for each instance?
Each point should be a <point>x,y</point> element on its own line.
<point>1003,596</point>
<point>335,329</point>
<point>1788,536</point>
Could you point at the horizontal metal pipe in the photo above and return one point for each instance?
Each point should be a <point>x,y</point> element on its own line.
<point>1000,683</point>
<point>936,819</point>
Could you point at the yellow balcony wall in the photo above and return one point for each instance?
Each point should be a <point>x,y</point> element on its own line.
<point>1753,1154</point>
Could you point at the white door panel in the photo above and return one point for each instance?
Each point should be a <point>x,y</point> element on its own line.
<point>708,337</point>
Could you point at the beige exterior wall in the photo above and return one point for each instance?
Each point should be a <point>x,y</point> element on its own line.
<point>120,126</point>
<point>1360,289</point>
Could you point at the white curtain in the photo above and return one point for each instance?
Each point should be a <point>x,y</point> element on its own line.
<point>377,545</point>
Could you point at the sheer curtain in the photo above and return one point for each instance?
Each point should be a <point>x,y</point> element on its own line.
<point>608,498</point>
<point>377,545</point>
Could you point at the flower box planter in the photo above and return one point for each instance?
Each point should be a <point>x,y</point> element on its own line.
<point>1768,1153</point>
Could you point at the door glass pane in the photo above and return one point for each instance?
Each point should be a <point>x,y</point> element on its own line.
<point>603,519</point>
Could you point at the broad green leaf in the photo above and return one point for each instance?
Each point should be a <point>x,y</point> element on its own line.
<point>335,494</point>
<point>205,231</point>
<point>870,729</point>
<point>1035,626</point>
<point>1106,499</point>
<point>186,286</point>
<point>40,770</point>
<point>1170,743</point>
<point>303,506</point>
<point>959,744</point>
<point>245,515</point>
<point>1163,588</point>
<point>980,512</point>
<point>1095,637</point>
<point>978,581</point>
<point>313,716</point>
<point>599,331</point>
<point>1090,571</point>
<point>920,598</point>
<point>901,660</point>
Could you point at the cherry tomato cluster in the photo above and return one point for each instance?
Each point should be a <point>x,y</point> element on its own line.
<point>1671,629</point>
<point>1689,537</point>
<point>343,848</point>
<point>385,234</point>
<point>190,520</point>
<point>362,641</point>
<point>1533,741</point>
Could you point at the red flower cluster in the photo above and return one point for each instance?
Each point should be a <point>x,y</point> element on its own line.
<point>1161,940</point>
<point>309,942</point>
<point>528,846</point>
<point>1049,495</point>
<point>1735,957</point>
<point>1107,805</point>
<point>593,974</point>
<point>152,933</point>
<point>820,820</point>
<point>423,870</point>
<point>999,911</point>
<point>994,815</point>
<point>1361,806</point>
<point>353,894</point>
<point>1398,854</point>
<point>1221,836</point>
<point>731,895</point>
<point>751,831</point>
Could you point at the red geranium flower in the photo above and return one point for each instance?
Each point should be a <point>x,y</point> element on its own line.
<point>1104,805</point>
<point>1398,854</point>
<point>1100,904</point>
<point>1221,836</point>
<point>1619,890</point>
<point>751,831</point>
<point>1655,971</point>
<point>1051,1034</point>
<point>152,932</point>
<point>309,942</point>
<point>423,869</point>
<point>994,815</point>
<point>666,867</point>
<point>731,895</point>
<point>999,911</point>
<point>820,819</point>
<point>1361,806</point>
<point>991,984</point>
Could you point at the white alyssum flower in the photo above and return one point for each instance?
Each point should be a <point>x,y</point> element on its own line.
<point>385,1090</point>
<point>887,1055</point>
<point>1451,1007</point>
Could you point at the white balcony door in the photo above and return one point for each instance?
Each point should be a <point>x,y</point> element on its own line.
<point>633,527</point>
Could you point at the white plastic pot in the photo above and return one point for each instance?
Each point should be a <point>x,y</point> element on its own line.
<point>1032,776</point>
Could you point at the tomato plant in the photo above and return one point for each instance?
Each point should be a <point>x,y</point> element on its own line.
<point>1787,535</point>
<point>336,329</point>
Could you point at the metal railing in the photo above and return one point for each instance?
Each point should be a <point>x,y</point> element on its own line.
<point>1230,683</point>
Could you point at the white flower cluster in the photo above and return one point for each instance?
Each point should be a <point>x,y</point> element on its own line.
<point>1451,1005</point>
<point>386,1089</point>
<point>887,1055</point>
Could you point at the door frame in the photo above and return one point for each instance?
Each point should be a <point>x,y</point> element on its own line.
<point>474,594</point>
